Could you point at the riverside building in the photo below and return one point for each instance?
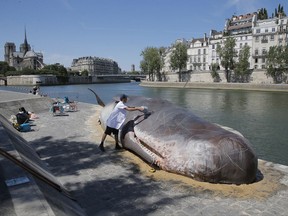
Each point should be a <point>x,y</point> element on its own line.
<point>95,66</point>
<point>259,35</point>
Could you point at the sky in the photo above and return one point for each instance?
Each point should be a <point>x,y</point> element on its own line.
<point>116,29</point>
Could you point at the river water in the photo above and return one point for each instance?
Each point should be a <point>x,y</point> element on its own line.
<point>262,117</point>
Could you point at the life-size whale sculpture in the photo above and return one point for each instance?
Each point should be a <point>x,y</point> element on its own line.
<point>176,140</point>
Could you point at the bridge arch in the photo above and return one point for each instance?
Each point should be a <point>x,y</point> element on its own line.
<point>4,79</point>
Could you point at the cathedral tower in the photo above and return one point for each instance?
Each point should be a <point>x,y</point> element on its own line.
<point>25,47</point>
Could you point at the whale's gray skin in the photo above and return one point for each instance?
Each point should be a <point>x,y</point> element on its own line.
<point>178,141</point>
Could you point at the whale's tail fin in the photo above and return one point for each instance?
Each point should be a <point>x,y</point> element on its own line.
<point>99,101</point>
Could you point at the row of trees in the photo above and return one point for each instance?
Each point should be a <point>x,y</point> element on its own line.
<point>153,62</point>
<point>236,65</point>
<point>55,69</point>
<point>263,14</point>
<point>234,71</point>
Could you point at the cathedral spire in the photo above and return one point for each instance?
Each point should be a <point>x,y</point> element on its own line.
<point>25,45</point>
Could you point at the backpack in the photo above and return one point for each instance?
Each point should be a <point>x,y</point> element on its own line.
<point>25,127</point>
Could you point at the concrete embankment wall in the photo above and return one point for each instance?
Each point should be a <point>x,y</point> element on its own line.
<point>236,86</point>
<point>10,102</point>
<point>257,77</point>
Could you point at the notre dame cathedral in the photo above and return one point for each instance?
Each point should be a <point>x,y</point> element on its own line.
<point>25,58</point>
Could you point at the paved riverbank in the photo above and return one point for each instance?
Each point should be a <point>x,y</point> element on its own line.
<point>118,183</point>
<point>202,85</point>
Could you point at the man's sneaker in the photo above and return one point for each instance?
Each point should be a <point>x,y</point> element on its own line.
<point>101,147</point>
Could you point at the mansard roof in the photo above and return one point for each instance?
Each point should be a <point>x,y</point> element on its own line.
<point>202,40</point>
<point>243,17</point>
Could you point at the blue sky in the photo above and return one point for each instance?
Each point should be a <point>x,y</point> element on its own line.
<point>118,29</point>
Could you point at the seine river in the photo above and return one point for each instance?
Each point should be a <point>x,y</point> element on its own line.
<point>262,117</point>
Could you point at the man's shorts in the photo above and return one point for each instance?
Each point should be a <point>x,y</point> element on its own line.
<point>110,130</point>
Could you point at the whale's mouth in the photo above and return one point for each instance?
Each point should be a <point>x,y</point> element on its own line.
<point>139,147</point>
<point>149,149</point>
<point>157,158</point>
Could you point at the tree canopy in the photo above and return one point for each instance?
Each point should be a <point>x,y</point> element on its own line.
<point>4,68</point>
<point>262,14</point>
<point>227,54</point>
<point>242,70</point>
<point>279,11</point>
<point>179,57</point>
<point>152,62</point>
<point>277,63</point>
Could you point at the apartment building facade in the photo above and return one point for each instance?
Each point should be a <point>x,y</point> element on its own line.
<point>198,54</point>
<point>259,35</point>
<point>95,66</point>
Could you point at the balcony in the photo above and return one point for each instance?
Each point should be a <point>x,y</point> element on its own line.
<point>264,41</point>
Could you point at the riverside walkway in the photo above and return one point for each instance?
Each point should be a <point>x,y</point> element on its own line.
<point>119,183</point>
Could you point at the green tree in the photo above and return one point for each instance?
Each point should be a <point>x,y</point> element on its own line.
<point>4,68</point>
<point>85,73</point>
<point>178,59</point>
<point>152,62</point>
<point>242,70</point>
<point>55,69</point>
<point>227,54</point>
<point>262,14</point>
<point>214,72</point>
<point>277,63</point>
<point>279,11</point>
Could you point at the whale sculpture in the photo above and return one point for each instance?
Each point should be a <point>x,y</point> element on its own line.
<point>176,140</point>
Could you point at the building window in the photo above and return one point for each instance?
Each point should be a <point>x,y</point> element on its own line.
<point>199,51</point>
<point>213,46</point>
<point>256,60</point>
<point>264,52</point>
<point>204,51</point>
<point>240,45</point>
<point>257,39</point>
<point>263,60</point>
<point>256,52</point>
<point>263,66</point>
<point>204,59</point>
<point>204,67</point>
<point>199,59</point>
<point>255,66</point>
<point>272,37</point>
<point>273,29</point>
<point>257,31</point>
<point>264,39</point>
<point>266,30</point>
<point>190,67</point>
